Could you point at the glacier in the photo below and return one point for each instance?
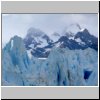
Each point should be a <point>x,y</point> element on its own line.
<point>63,67</point>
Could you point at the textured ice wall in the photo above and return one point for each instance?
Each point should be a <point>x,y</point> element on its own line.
<point>63,67</point>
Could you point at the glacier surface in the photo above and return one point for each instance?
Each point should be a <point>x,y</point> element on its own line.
<point>63,67</point>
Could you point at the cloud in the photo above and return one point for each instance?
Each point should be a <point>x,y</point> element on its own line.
<point>89,21</point>
<point>18,24</point>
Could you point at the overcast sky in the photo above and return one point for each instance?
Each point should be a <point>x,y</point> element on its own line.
<point>18,24</point>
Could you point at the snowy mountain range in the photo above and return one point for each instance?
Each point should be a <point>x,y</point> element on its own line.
<point>39,44</point>
<point>67,59</point>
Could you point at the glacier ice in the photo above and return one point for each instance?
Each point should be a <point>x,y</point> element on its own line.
<point>63,67</point>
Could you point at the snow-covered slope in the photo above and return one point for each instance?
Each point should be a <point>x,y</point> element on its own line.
<point>63,67</point>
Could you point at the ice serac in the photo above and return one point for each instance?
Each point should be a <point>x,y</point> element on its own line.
<point>18,53</point>
<point>66,67</point>
<point>15,61</point>
<point>17,67</point>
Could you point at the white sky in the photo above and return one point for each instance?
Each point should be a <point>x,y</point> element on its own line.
<point>18,24</point>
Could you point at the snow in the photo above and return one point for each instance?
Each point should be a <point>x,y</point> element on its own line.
<point>32,46</point>
<point>90,41</point>
<point>71,38</point>
<point>79,41</point>
<point>82,30</point>
<point>47,49</point>
<point>11,44</point>
<point>58,44</point>
<point>40,39</point>
<point>42,42</point>
<point>29,53</point>
<point>42,58</point>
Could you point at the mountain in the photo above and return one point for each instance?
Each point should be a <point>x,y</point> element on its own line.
<point>81,40</point>
<point>89,40</point>
<point>39,44</point>
<point>35,41</point>
<point>66,42</point>
<point>63,67</point>
<point>36,38</point>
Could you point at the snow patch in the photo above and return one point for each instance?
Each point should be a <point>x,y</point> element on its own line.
<point>31,45</point>
<point>42,42</point>
<point>89,40</point>
<point>42,58</point>
<point>11,44</point>
<point>58,44</point>
<point>29,53</point>
<point>48,49</point>
<point>82,30</point>
<point>71,38</point>
<point>79,41</point>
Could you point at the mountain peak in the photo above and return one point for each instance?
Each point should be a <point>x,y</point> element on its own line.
<point>83,32</point>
